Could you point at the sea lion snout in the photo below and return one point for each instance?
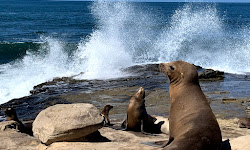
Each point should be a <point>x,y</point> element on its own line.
<point>141,93</point>
<point>162,67</point>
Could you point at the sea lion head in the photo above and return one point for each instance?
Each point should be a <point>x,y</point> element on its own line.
<point>107,108</point>
<point>140,94</point>
<point>105,114</point>
<point>179,72</point>
<point>11,114</point>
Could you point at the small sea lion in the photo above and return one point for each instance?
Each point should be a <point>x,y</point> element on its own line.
<point>137,117</point>
<point>244,123</point>
<point>162,123</point>
<point>11,115</point>
<point>192,124</point>
<point>105,112</point>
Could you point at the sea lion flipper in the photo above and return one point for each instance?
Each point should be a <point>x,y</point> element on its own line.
<point>225,145</point>
<point>142,126</point>
<point>124,125</point>
<point>161,143</point>
<point>143,132</point>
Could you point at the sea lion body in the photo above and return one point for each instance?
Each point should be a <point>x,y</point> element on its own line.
<point>244,123</point>
<point>162,123</point>
<point>192,123</point>
<point>24,128</point>
<point>105,113</point>
<point>137,117</point>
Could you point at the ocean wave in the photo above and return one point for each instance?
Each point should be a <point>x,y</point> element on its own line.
<point>11,51</point>
<point>125,35</point>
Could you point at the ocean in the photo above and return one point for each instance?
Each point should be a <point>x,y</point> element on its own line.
<point>42,40</point>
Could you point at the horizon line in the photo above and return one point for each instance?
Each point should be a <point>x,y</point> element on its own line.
<point>172,1</point>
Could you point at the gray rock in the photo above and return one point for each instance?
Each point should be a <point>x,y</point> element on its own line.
<point>209,74</point>
<point>67,122</point>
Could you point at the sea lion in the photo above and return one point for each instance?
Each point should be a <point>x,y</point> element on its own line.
<point>244,123</point>
<point>192,123</point>
<point>162,123</point>
<point>11,115</point>
<point>105,112</point>
<point>137,117</point>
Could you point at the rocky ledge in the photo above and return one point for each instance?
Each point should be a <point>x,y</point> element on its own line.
<point>64,124</point>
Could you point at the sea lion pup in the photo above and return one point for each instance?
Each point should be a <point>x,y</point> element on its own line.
<point>105,112</point>
<point>192,123</point>
<point>11,115</point>
<point>137,117</point>
<point>162,123</point>
<point>244,123</point>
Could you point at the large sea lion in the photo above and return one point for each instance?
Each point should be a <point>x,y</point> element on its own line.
<point>137,117</point>
<point>192,123</point>
<point>105,112</point>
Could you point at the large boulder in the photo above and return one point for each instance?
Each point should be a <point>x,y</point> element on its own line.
<point>67,122</point>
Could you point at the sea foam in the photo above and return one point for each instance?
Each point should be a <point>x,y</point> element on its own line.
<point>125,35</point>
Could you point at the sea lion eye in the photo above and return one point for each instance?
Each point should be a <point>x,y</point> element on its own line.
<point>172,68</point>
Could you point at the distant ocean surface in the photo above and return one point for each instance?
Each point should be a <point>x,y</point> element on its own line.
<point>41,40</point>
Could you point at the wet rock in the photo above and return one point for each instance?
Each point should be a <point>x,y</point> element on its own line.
<point>210,74</point>
<point>98,92</point>
<point>142,68</point>
<point>67,122</point>
<point>231,100</point>
<point>207,74</point>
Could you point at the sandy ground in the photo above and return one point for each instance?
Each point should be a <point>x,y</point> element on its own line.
<point>119,140</point>
<point>124,140</point>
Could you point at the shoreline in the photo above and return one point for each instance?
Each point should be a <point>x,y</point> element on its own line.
<point>225,99</point>
<point>225,92</point>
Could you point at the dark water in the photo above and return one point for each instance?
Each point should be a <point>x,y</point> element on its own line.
<point>95,41</point>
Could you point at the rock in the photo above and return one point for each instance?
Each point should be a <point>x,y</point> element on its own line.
<point>210,74</point>
<point>142,68</point>
<point>240,143</point>
<point>13,140</point>
<point>120,140</point>
<point>66,122</point>
<point>231,100</point>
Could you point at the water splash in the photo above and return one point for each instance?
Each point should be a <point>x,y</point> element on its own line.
<point>118,42</point>
<point>127,34</point>
<point>198,35</point>
<point>19,77</point>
